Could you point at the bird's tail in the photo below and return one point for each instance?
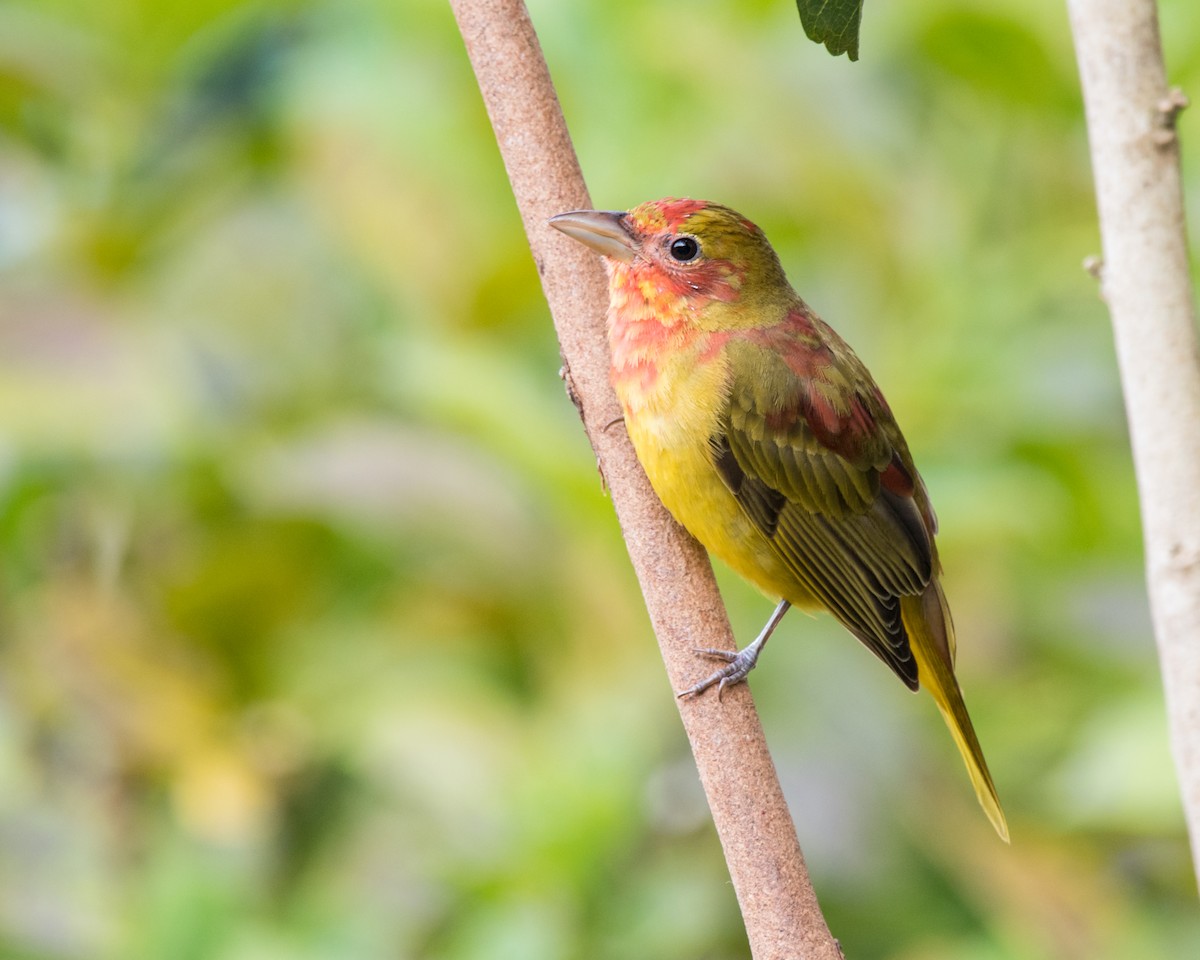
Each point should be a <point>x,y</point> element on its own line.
<point>931,635</point>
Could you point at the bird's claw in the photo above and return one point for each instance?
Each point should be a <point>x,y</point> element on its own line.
<point>727,655</point>
<point>739,666</point>
<point>739,662</point>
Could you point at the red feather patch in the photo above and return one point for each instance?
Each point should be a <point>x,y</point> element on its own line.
<point>795,339</point>
<point>675,212</point>
<point>897,479</point>
<point>710,280</point>
<point>842,432</point>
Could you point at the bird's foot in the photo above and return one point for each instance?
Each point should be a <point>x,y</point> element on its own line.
<point>740,663</point>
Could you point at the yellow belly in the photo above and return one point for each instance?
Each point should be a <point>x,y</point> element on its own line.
<point>673,447</point>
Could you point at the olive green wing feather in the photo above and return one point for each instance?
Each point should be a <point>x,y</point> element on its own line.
<point>811,452</point>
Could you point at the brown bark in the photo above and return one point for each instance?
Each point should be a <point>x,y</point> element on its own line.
<point>779,907</point>
<point>1145,281</point>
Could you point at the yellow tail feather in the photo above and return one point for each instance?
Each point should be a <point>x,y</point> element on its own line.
<point>931,635</point>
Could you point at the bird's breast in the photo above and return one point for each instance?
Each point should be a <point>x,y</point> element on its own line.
<point>673,389</point>
<point>672,381</point>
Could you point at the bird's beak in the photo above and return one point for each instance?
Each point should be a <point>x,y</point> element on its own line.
<point>602,230</point>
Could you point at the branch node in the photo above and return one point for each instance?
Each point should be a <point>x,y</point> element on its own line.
<point>1168,109</point>
<point>564,374</point>
<point>1095,266</point>
<point>1183,557</point>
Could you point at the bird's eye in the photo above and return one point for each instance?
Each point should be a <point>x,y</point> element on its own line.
<point>684,249</point>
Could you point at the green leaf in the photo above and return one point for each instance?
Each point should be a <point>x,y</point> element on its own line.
<point>833,23</point>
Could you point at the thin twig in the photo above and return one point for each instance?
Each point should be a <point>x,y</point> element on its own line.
<point>1135,155</point>
<point>778,904</point>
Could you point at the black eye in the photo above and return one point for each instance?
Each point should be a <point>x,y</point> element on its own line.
<point>684,249</point>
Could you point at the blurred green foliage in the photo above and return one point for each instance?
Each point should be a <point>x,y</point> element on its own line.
<point>317,637</point>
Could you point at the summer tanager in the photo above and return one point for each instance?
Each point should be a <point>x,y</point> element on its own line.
<point>765,436</point>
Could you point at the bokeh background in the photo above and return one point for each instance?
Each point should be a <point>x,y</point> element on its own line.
<point>317,637</point>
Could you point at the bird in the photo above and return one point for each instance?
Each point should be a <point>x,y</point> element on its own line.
<point>766,437</point>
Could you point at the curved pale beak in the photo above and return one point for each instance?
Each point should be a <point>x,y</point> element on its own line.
<point>602,230</point>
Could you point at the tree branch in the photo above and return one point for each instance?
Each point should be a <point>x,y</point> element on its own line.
<point>1144,279</point>
<point>778,904</point>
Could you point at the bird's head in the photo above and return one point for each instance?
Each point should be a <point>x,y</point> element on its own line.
<point>693,250</point>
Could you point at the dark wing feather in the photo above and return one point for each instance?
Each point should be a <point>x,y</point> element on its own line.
<point>820,467</point>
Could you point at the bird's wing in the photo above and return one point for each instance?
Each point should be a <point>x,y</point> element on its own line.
<point>812,453</point>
